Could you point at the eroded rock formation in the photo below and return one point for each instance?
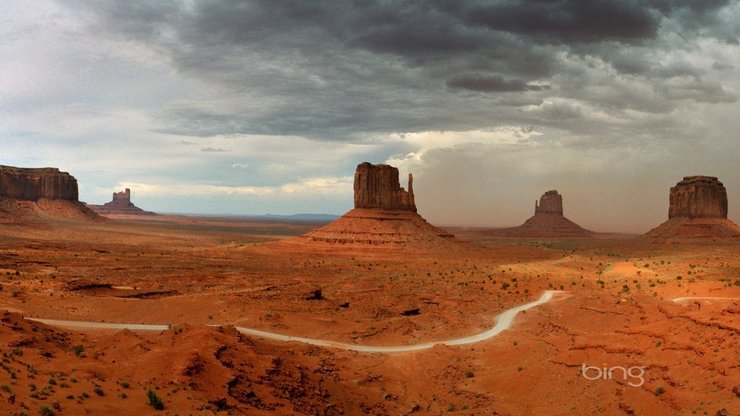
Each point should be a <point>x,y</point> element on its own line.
<point>551,202</point>
<point>698,197</point>
<point>121,204</point>
<point>548,221</point>
<point>384,218</point>
<point>378,187</point>
<point>33,184</point>
<point>697,209</point>
<point>39,195</point>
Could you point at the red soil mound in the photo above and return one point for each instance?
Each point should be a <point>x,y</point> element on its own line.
<point>13,211</point>
<point>682,227</point>
<point>546,225</point>
<point>376,228</point>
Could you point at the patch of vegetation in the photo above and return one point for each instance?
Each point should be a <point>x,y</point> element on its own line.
<point>79,350</point>
<point>659,390</point>
<point>154,400</point>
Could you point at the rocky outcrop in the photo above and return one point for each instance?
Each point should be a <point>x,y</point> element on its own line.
<point>378,187</point>
<point>39,195</point>
<point>551,202</point>
<point>384,219</point>
<point>697,209</point>
<point>33,184</point>
<point>121,204</point>
<point>548,221</point>
<point>698,197</point>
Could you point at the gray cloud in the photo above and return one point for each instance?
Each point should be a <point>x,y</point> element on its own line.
<point>342,70</point>
<point>164,80</point>
<point>491,84</point>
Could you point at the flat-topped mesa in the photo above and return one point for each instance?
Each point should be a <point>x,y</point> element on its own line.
<point>550,203</point>
<point>33,184</point>
<point>378,187</point>
<point>698,197</point>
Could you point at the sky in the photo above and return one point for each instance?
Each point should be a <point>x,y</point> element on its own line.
<point>267,106</point>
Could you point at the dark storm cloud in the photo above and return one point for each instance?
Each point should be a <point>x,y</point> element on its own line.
<point>343,69</point>
<point>569,20</point>
<point>491,84</point>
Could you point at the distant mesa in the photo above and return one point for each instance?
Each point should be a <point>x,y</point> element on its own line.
<point>33,184</point>
<point>548,221</point>
<point>121,204</point>
<point>38,192</point>
<point>384,217</point>
<point>697,209</point>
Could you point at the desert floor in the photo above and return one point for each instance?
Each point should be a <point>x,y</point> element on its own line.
<point>204,276</point>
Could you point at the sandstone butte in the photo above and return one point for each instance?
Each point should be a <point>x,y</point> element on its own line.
<point>384,216</point>
<point>39,192</point>
<point>120,204</point>
<point>548,221</point>
<point>697,209</point>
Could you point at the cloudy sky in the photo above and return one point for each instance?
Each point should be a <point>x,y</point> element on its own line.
<point>267,106</point>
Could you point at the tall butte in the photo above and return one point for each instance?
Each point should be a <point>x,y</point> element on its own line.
<point>39,192</point>
<point>697,209</point>
<point>384,216</point>
<point>548,221</point>
<point>120,204</point>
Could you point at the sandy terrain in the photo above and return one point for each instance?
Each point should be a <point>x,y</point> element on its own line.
<point>195,272</point>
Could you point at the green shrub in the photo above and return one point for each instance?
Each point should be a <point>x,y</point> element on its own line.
<point>154,400</point>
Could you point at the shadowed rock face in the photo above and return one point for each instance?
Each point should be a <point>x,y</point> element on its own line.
<point>550,203</point>
<point>377,187</point>
<point>698,197</point>
<point>32,184</point>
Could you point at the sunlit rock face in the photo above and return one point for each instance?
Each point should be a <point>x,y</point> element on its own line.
<point>32,184</point>
<point>378,187</point>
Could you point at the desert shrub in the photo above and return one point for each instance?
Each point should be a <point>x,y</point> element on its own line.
<point>79,350</point>
<point>154,400</point>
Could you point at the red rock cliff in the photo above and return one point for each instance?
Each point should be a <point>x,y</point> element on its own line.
<point>377,186</point>
<point>698,197</point>
<point>33,184</point>
<point>550,203</point>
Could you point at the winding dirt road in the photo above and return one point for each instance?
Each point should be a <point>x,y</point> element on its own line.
<point>503,321</point>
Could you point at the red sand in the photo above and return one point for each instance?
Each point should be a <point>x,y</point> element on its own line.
<point>192,272</point>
